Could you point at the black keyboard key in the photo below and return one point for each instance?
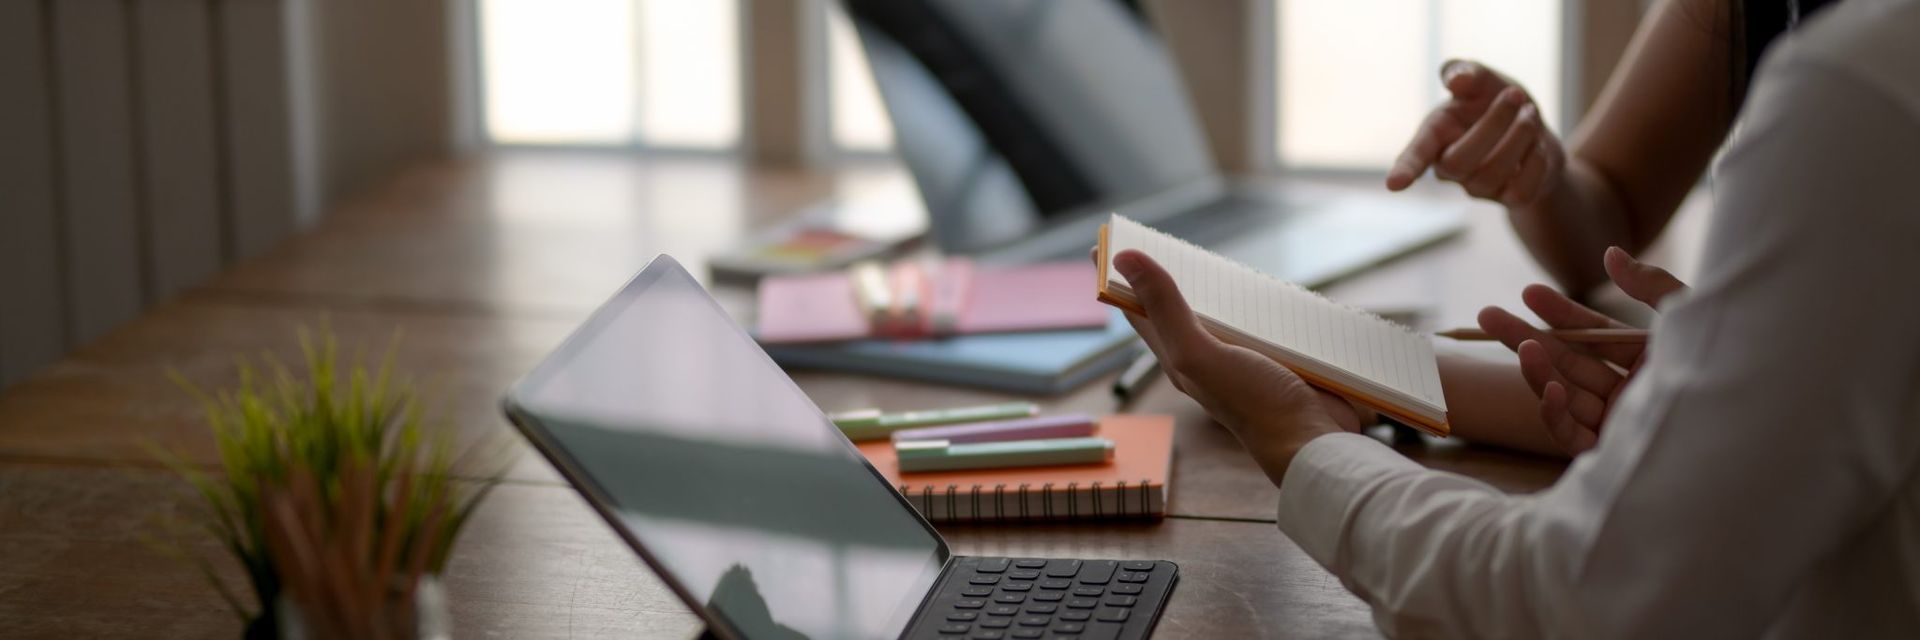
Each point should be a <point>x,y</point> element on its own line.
<point>1042,608</point>
<point>1125,589</point>
<point>963,616</point>
<point>1023,574</point>
<point>1029,563</point>
<point>1102,631</point>
<point>1088,592</point>
<point>1114,615</point>
<point>1097,571</point>
<point>1048,596</point>
<point>996,623</point>
<point>1003,610</point>
<point>1082,603</point>
<point>1011,598</point>
<point>955,628</point>
<point>977,592</point>
<point>1034,621</point>
<point>1063,568</point>
<point>992,565</point>
<point>969,603</point>
<point>986,579</point>
<point>1027,633</point>
<point>989,634</point>
<point>1132,576</point>
<point>1121,601</point>
<point>1076,615</point>
<point>1055,583</point>
<point>1069,627</point>
<point>1138,565</point>
<point>1017,586</point>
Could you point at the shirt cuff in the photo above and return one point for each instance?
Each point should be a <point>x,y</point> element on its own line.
<point>1326,482</point>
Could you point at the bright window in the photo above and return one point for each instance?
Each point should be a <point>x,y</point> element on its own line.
<point>859,120</point>
<point>659,73</point>
<point>1356,76</point>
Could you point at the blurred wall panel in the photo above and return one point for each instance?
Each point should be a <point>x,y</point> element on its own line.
<point>1212,44</point>
<point>30,329</point>
<point>97,191</point>
<point>252,37</point>
<point>382,90</point>
<point>179,173</point>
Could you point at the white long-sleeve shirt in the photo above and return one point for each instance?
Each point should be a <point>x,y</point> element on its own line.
<point>1758,476</point>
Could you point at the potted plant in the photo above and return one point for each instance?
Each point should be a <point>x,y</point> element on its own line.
<point>334,494</point>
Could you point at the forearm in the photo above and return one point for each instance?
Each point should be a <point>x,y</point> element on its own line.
<point>1488,402</point>
<point>1568,229</point>
<point>1641,147</point>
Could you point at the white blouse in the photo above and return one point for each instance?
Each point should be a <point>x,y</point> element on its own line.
<point>1759,476</point>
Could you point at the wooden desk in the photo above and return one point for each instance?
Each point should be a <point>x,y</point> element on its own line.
<point>483,266</point>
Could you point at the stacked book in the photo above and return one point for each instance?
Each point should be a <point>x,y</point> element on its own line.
<point>1005,463</point>
<point>1027,329</point>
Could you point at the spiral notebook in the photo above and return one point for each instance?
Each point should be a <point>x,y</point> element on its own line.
<point>1344,350</point>
<point>1131,485</point>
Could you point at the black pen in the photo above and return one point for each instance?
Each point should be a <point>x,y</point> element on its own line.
<point>1131,382</point>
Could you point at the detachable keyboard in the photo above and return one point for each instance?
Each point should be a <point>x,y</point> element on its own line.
<point>1005,598</point>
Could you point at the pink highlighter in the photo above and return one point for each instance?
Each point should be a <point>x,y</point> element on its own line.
<point>1063,426</point>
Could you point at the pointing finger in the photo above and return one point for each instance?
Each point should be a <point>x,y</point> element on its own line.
<point>1441,128</point>
<point>1462,158</point>
<point>1469,80</point>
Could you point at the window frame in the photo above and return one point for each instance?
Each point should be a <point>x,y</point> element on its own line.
<point>469,72</point>
<point>819,82</point>
<point>1263,87</point>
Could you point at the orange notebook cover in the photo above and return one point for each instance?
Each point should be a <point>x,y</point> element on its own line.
<point>1133,484</point>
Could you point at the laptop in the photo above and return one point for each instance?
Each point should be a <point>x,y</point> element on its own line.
<point>726,480</point>
<point>1023,123</point>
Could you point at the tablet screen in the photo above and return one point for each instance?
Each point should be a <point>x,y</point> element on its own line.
<point>723,472</point>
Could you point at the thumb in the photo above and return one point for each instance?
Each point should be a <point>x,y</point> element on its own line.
<point>1469,80</point>
<point>1173,321</point>
<point>1641,281</point>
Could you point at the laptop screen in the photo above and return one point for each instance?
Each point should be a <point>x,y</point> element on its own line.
<point>1013,113</point>
<point>719,469</point>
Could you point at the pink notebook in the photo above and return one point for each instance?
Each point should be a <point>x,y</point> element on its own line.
<point>954,297</point>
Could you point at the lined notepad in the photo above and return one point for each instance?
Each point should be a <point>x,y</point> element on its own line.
<point>1350,352</point>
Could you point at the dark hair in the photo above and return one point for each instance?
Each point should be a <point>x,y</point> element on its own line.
<point>1756,24</point>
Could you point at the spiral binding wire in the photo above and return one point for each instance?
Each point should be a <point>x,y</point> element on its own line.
<point>976,496</point>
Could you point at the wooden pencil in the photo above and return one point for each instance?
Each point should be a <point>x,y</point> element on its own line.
<point>1567,335</point>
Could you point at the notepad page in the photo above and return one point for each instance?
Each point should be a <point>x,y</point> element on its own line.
<point>1339,342</point>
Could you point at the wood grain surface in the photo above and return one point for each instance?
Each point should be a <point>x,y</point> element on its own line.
<point>482,266</point>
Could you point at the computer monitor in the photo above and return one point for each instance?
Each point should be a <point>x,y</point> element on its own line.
<point>1011,113</point>
<point>721,472</point>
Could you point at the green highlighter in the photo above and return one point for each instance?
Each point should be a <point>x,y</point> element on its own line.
<point>870,424</point>
<point>941,455</point>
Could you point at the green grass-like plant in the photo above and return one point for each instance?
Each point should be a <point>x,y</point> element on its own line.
<point>332,493</point>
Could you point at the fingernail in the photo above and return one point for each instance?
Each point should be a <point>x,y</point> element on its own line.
<point>1128,263</point>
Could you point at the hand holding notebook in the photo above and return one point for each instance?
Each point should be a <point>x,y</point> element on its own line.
<point>1348,352</point>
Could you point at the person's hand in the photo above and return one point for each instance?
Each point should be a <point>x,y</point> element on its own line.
<point>1577,383</point>
<point>1488,137</point>
<point>1273,411</point>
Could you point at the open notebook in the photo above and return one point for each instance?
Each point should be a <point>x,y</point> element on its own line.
<point>1335,347</point>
